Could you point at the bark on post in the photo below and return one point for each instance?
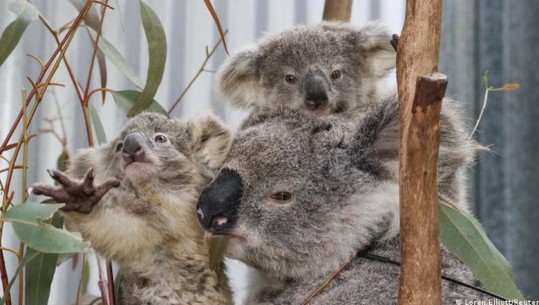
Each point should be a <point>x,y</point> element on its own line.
<point>420,95</point>
<point>338,10</point>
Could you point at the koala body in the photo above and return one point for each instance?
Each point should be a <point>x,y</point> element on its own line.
<point>300,196</point>
<point>326,68</point>
<point>148,223</point>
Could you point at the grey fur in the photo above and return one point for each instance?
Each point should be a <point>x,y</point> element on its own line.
<point>344,183</point>
<point>148,224</point>
<point>255,75</point>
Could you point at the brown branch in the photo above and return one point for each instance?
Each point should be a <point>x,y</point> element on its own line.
<point>337,10</point>
<point>420,95</point>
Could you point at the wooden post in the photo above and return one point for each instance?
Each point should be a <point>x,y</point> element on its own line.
<point>338,10</point>
<point>420,95</point>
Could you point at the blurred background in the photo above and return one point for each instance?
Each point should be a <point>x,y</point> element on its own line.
<point>501,37</point>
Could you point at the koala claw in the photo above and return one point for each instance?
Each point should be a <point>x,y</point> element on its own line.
<point>79,197</point>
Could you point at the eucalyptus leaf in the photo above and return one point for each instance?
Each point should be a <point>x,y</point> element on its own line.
<point>98,126</point>
<point>62,162</point>
<point>32,223</point>
<point>12,34</point>
<point>40,271</point>
<point>217,251</point>
<point>116,58</point>
<point>466,239</point>
<point>157,52</point>
<point>126,99</point>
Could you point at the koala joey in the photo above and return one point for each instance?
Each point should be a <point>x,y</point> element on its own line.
<point>300,196</point>
<point>134,199</point>
<point>326,68</point>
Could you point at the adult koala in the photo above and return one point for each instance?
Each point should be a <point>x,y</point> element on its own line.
<point>300,196</point>
<point>326,68</point>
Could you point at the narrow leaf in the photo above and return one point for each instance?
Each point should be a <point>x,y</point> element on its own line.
<point>32,225</point>
<point>12,34</point>
<point>217,23</point>
<point>98,126</point>
<point>62,162</point>
<point>116,58</point>
<point>217,251</point>
<point>40,271</point>
<point>102,73</point>
<point>157,52</point>
<point>466,239</point>
<point>27,258</point>
<point>126,99</point>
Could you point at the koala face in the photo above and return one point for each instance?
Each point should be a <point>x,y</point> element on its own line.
<point>155,149</point>
<point>298,191</point>
<point>327,68</point>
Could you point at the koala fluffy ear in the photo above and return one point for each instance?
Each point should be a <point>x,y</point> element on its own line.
<point>375,42</point>
<point>211,140</point>
<point>237,79</point>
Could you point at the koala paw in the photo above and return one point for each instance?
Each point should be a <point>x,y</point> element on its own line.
<point>79,197</point>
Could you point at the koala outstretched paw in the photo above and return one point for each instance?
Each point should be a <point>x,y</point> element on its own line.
<point>80,197</point>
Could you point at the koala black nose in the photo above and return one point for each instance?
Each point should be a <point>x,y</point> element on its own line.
<point>218,204</point>
<point>316,96</point>
<point>133,150</point>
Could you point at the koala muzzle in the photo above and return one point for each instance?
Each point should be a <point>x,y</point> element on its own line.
<point>133,148</point>
<point>315,87</point>
<point>218,204</point>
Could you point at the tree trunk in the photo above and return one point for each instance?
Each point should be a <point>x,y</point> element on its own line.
<point>420,95</point>
<point>337,10</point>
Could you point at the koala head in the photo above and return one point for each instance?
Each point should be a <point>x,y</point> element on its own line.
<point>155,149</point>
<point>326,68</point>
<point>300,195</point>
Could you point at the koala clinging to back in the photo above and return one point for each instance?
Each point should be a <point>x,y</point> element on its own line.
<point>326,68</point>
<point>142,211</point>
<point>300,196</point>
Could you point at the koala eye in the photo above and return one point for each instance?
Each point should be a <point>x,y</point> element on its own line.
<point>291,79</point>
<point>281,197</point>
<point>336,74</point>
<point>119,146</point>
<point>160,138</point>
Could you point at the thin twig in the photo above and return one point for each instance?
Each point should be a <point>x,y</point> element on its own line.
<point>485,99</point>
<point>324,284</point>
<point>202,69</point>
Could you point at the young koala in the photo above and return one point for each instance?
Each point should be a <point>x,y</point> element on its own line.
<point>134,199</point>
<point>300,197</point>
<point>327,68</point>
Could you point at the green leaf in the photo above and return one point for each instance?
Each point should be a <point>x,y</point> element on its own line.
<point>217,251</point>
<point>27,258</point>
<point>466,239</point>
<point>126,99</point>
<point>62,162</point>
<point>157,52</point>
<point>32,225</point>
<point>40,271</point>
<point>12,34</point>
<point>116,58</point>
<point>98,126</point>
